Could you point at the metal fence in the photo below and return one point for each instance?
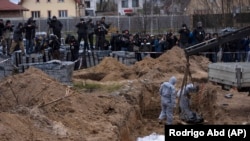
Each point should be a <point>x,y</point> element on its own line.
<point>152,24</point>
<point>135,24</point>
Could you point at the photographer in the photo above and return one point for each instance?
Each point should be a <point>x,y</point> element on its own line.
<point>91,32</point>
<point>7,32</point>
<point>30,30</point>
<point>82,33</point>
<point>56,26</point>
<point>125,41</point>
<point>101,30</point>
<point>74,49</point>
<point>18,39</point>
<point>54,44</point>
<point>115,41</point>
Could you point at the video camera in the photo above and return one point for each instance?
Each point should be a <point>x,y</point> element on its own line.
<point>49,20</point>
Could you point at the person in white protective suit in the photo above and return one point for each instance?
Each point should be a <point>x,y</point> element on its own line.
<point>187,114</point>
<point>168,100</point>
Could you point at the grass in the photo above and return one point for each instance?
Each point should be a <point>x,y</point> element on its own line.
<point>95,86</point>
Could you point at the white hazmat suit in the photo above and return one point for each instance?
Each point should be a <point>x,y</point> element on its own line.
<point>187,114</point>
<point>168,100</point>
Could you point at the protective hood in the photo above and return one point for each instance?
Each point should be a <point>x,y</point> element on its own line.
<point>172,80</point>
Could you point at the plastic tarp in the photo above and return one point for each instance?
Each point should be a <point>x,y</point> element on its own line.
<point>152,137</point>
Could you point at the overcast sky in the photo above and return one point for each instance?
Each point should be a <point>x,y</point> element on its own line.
<point>14,1</point>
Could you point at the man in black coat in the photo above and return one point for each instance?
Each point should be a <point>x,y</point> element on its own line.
<point>1,32</point>
<point>7,33</point>
<point>30,30</point>
<point>56,26</point>
<point>74,49</point>
<point>18,39</point>
<point>184,36</point>
<point>101,29</point>
<point>82,33</point>
<point>199,33</point>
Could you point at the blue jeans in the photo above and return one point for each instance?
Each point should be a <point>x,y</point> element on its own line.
<point>29,46</point>
<point>124,49</point>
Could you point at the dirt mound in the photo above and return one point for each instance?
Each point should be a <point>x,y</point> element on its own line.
<point>108,70</point>
<point>48,110</point>
<point>204,102</point>
<point>29,88</point>
<point>171,62</point>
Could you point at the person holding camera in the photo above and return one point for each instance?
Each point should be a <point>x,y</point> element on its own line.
<point>82,33</point>
<point>54,44</point>
<point>18,39</point>
<point>30,31</point>
<point>74,49</point>
<point>101,30</point>
<point>56,27</point>
<point>7,32</point>
<point>91,32</point>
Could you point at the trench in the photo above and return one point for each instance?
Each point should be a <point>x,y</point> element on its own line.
<point>146,107</point>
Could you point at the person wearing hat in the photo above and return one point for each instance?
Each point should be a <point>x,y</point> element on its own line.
<point>56,26</point>
<point>102,30</point>
<point>168,100</point>
<point>7,33</point>
<point>83,34</point>
<point>18,39</point>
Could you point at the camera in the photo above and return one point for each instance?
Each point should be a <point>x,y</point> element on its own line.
<point>49,21</point>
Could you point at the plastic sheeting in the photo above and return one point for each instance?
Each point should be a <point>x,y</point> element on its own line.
<point>152,137</point>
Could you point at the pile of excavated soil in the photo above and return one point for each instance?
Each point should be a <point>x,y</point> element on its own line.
<point>33,106</point>
<point>36,107</point>
<point>172,62</point>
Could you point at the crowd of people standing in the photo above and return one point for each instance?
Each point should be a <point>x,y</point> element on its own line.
<point>93,34</point>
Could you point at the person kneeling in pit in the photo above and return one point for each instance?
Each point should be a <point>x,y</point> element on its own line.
<point>186,114</point>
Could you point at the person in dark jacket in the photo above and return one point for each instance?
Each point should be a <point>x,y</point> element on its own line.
<point>125,42</point>
<point>56,26</point>
<point>74,48</point>
<point>7,33</point>
<point>18,39</point>
<point>184,36</point>
<point>101,30</point>
<point>1,32</point>
<point>199,33</point>
<point>54,44</point>
<point>30,30</point>
<point>91,32</point>
<point>82,33</point>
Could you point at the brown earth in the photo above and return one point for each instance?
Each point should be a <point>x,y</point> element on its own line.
<point>121,103</point>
